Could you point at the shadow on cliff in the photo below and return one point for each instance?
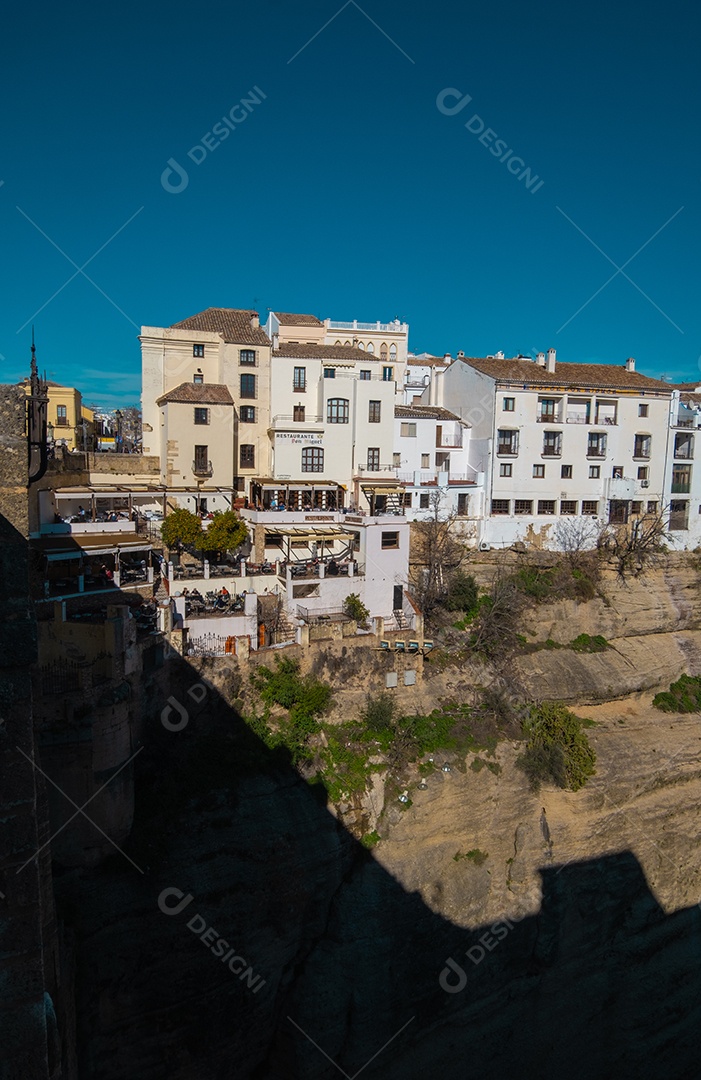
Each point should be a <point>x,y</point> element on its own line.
<point>252,936</point>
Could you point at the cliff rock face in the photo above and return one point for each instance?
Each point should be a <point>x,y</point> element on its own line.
<point>491,933</point>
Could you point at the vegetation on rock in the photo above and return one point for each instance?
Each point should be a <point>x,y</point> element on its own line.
<point>557,749</point>
<point>683,696</point>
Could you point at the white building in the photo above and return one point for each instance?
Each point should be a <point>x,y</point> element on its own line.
<point>432,458</point>
<point>683,481</point>
<point>419,372</point>
<point>560,440</point>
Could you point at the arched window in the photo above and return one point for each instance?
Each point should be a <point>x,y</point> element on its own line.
<point>346,342</point>
<point>337,410</point>
<point>361,346</point>
<point>393,352</point>
<point>383,351</point>
<point>337,342</point>
<point>371,347</point>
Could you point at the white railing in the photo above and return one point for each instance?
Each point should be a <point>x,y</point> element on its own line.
<point>355,325</point>
<point>578,418</point>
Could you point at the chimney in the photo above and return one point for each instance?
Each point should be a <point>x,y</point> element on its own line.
<point>540,359</point>
<point>461,355</point>
<point>276,341</point>
<point>448,357</point>
<point>630,364</point>
<point>255,321</point>
<point>550,363</point>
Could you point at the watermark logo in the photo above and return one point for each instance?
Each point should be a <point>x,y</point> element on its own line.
<point>453,977</point>
<point>450,102</point>
<point>174,715</point>
<point>173,901</point>
<point>174,178</point>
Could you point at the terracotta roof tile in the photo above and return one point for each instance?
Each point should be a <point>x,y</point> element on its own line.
<point>189,393</point>
<point>233,324</point>
<point>286,318</point>
<point>298,351</point>
<point>426,412</point>
<point>593,376</point>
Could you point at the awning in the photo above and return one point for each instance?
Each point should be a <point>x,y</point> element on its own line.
<point>329,532</point>
<point>382,489</point>
<point>77,545</point>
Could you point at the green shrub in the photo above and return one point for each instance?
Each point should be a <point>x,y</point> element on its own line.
<point>354,608</point>
<point>474,856</point>
<point>584,643</point>
<point>534,582</point>
<point>557,749</point>
<point>370,839</point>
<point>304,698</point>
<point>462,593</point>
<point>683,696</point>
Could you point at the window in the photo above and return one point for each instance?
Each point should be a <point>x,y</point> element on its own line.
<point>371,347</point>
<point>590,507</point>
<point>546,506</point>
<point>652,507</point>
<point>594,472</point>
<point>684,445</point>
<point>463,502</point>
<point>552,443</point>
<point>247,414</point>
<point>337,410</point>
<point>617,472</point>
<point>389,540</point>
<point>405,499</point>
<point>361,346</point>
<point>635,507</point>
<point>396,461</point>
<point>61,416</point>
<point>198,350</point>
<point>642,446</point>
<point>643,410</point>
<point>681,479</point>
<point>373,458</point>
<point>523,506</point>
<point>505,468</point>
<point>374,410</point>
<point>383,351</point>
<point>312,459</point>
<point>198,378</point>
<point>247,455</point>
<point>596,445</point>
<point>299,380</point>
<point>539,472</point>
<point>248,386</point>
<point>298,414</point>
<point>546,408</point>
<point>568,507</point>
<point>566,472</point>
<point>201,416</point>
<point>642,472</point>
<point>247,356</point>
<point>509,404</point>
<point>424,500</point>
<point>425,461</point>
<point>605,412</point>
<point>201,464</point>
<point>678,515</point>
<point>408,431</point>
<point>329,372</point>
<point>619,510</point>
<point>387,374</point>
<point>507,442</point>
<point>393,352</point>
<point>500,506</point>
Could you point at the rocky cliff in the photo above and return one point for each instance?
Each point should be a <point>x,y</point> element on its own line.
<point>490,931</point>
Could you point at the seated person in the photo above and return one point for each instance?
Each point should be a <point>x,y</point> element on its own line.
<point>224,593</point>
<point>332,568</point>
<point>195,594</point>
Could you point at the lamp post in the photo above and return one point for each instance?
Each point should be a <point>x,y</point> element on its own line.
<point>118,418</point>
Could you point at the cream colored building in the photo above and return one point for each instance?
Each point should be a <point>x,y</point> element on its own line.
<point>206,400</point>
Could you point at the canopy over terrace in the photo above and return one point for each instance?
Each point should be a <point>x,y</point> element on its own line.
<point>385,497</point>
<point>289,536</point>
<point>66,557</point>
<point>267,494</point>
<point>130,497</point>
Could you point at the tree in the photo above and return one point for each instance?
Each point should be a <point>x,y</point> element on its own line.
<point>634,546</point>
<point>435,556</point>
<point>182,527</point>
<point>226,532</point>
<point>354,608</point>
<point>576,538</point>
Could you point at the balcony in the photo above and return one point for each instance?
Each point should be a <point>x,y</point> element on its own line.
<point>507,449</point>
<point>681,487</point>
<point>61,421</point>
<point>606,420</point>
<point>202,468</point>
<point>283,422</point>
<point>355,325</point>
<point>596,451</point>
<point>577,418</point>
<point>374,470</point>
<point>549,418</point>
<point>454,442</point>
<point>552,451</point>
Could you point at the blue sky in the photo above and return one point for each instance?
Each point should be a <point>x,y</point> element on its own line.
<point>347,192</point>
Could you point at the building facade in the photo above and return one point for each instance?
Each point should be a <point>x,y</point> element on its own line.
<point>560,441</point>
<point>432,458</point>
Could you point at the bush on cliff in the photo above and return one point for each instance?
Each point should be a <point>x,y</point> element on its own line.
<point>304,697</point>
<point>683,696</point>
<point>557,748</point>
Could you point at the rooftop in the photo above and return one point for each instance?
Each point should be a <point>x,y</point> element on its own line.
<point>590,376</point>
<point>234,325</point>
<point>286,318</point>
<point>425,412</point>
<point>189,393</point>
<point>298,351</point>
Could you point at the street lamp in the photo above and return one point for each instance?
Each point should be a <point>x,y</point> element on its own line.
<point>118,418</point>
